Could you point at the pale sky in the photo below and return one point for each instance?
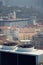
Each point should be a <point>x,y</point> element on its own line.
<point>34,3</point>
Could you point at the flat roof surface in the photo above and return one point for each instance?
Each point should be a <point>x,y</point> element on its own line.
<point>33,52</point>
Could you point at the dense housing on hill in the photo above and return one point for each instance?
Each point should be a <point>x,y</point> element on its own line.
<point>21,12</point>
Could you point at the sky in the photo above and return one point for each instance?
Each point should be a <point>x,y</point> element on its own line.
<point>23,2</point>
<point>34,3</point>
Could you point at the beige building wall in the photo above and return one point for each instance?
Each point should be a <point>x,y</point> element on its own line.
<point>27,36</point>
